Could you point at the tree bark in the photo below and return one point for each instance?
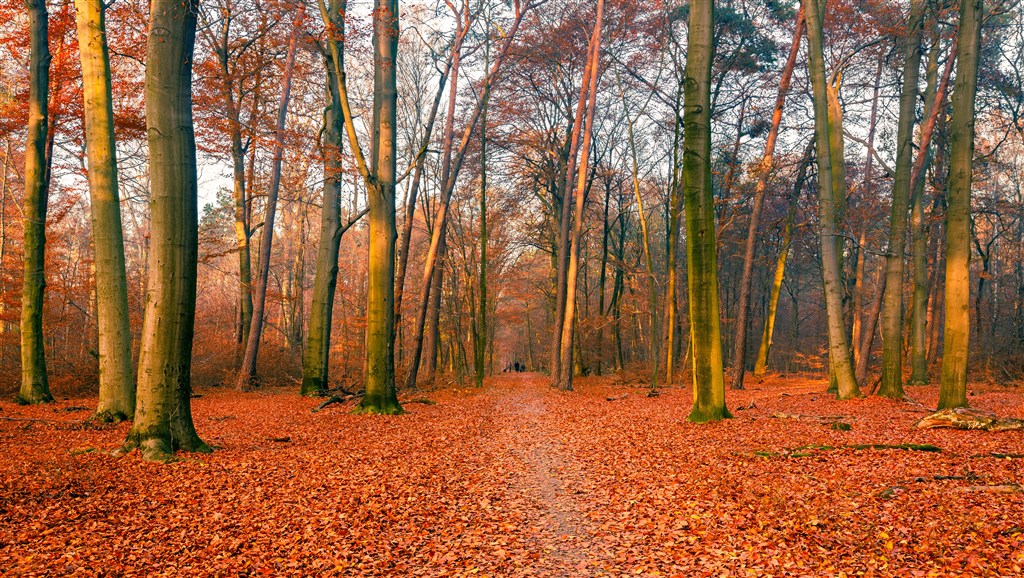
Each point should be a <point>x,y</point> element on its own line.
<point>701,250</point>
<point>839,349</point>
<point>163,413</point>
<point>480,329</point>
<point>892,314</point>
<point>381,396</point>
<point>116,377</point>
<point>739,365</point>
<point>316,356</point>
<point>35,386</point>
<point>953,387</point>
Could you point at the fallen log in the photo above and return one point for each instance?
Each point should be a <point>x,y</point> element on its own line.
<point>969,418</point>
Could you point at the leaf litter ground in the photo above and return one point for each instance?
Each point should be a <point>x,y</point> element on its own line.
<point>520,480</point>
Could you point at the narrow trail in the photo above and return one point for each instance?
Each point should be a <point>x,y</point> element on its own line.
<point>548,481</point>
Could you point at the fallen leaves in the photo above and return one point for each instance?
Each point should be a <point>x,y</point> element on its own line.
<point>520,480</point>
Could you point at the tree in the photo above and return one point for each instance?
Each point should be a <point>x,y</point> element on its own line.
<point>35,387</point>
<point>701,250</point>
<point>247,372</point>
<point>739,361</point>
<point>117,380</point>
<point>840,363</point>
<point>953,387</point>
<point>316,356</point>
<point>568,329</point>
<point>163,413</point>
<point>892,315</point>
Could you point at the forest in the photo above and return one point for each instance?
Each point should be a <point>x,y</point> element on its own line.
<point>512,287</point>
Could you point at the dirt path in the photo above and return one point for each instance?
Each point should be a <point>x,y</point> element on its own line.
<point>548,482</point>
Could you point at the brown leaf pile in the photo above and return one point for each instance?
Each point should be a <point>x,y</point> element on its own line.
<point>519,480</point>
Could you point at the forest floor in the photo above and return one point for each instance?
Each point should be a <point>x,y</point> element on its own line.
<point>519,480</point>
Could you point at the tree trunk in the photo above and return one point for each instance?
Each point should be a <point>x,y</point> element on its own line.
<point>839,349</point>
<point>432,328</point>
<point>919,231</point>
<point>675,210</point>
<point>892,315</point>
<point>739,365</point>
<point>316,357</point>
<point>953,387</point>
<point>568,328</point>
<point>247,372</point>
<point>481,330</point>
<point>602,279</point>
<point>163,412</point>
<point>564,226</point>
<point>35,386</point>
<point>701,250</point>
<point>117,380</point>
<point>381,395</point>
<point>868,337</point>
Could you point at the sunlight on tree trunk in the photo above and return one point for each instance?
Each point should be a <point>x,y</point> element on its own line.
<point>117,380</point>
<point>381,396</point>
<point>163,413</point>
<point>568,329</point>
<point>35,385</point>
<point>953,388</point>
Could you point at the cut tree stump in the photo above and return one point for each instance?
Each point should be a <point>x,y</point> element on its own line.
<point>969,418</point>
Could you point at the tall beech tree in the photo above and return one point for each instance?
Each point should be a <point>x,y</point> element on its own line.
<point>840,362</point>
<point>35,386</point>
<point>117,380</point>
<point>953,387</point>
<point>701,250</point>
<point>892,315</point>
<point>163,412</point>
